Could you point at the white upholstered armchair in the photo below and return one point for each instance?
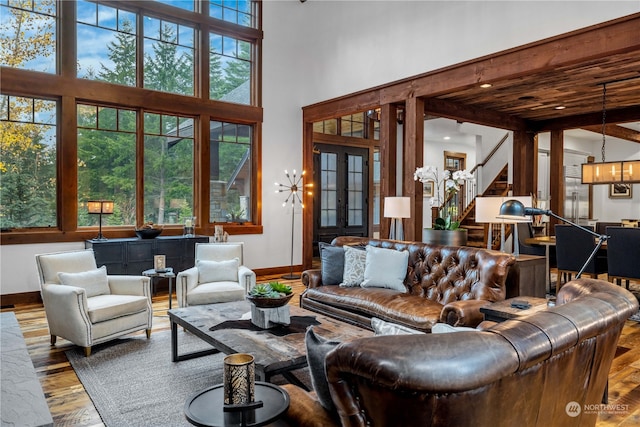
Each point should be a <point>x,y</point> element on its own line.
<point>86,306</point>
<point>218,276</point>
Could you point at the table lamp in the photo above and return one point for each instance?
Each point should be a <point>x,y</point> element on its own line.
<point>100,207</point>
<point>397,208</point>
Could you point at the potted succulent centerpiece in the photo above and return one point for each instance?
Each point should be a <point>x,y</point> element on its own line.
<point>270,295</point>
<point>446,229</point>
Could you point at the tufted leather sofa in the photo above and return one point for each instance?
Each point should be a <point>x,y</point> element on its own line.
<point>444,284</point>
<point>546,369</point>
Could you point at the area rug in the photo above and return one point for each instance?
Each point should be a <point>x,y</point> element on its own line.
<point>133,382</point>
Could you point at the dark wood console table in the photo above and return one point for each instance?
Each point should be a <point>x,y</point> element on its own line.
<point>134,255</point>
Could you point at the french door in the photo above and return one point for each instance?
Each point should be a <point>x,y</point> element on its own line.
<point>341,183</point>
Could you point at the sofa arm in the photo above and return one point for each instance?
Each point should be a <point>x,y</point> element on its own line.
<point>185,281</point>
<point>463,313</point>
<point>130,285</point>
<point>66,311</point>
<point>247,278</point>
<point>312,278</point>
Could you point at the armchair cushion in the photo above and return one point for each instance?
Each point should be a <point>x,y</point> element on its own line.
<point>215,292</point>
<point>317,349</point>
<point>107,307</point>
<point>94,282</point>
<point>218,271</point>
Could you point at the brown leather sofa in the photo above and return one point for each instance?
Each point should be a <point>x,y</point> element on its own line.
<point>444,284</point>
<point>546,369</point>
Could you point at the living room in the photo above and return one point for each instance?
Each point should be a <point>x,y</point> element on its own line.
<point>329,56</point>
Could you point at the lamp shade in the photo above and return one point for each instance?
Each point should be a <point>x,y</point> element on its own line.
<point>397,207</point>
<point>626,171</point>
<point>489,209</point>
<point>100,206</point>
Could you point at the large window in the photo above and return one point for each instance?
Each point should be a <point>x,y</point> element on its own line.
<point>107,163</point>
<point>230,69</point>
<point>168,168</point>
<point>168,56</point>
<point>106,43</point>
<point>230,172</point>
<point>27,162</point>
<point>133,107</point>
<point>28,34</point>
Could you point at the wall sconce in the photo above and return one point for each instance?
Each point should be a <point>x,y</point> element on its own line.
<point>397,208</point>
<point>100,207</point>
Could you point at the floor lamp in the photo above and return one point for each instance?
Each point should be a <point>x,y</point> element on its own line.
<point>514,209</point>
<point>397,208</point>
<point>292,188</point>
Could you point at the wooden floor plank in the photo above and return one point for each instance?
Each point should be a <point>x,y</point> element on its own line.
<point>70,405</point>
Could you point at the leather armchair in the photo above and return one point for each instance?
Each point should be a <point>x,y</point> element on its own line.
<point>84,312</point>
<point>523,371</point>
<point>215,277</point>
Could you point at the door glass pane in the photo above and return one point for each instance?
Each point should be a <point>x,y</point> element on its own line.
<point>328,195</point>
<point>355,189</point>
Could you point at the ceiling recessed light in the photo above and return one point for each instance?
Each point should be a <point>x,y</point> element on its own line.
<point>486,85</point>
<point>446,138</point>
<point>560,107</point>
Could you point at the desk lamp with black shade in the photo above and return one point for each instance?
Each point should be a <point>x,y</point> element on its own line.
<point>514,209</point>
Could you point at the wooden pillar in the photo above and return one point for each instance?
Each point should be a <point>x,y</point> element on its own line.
<point>413,149</point>
<point>556,178</point>
<point>525,163</point>
<point>388,159</point>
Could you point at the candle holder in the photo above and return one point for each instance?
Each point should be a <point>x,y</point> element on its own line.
<point>189,226</point>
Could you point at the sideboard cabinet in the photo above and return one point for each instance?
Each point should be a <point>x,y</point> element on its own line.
<point>134,255</point>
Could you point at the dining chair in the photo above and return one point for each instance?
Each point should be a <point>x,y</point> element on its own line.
<point>573,248</point>
<point>623,254</point>
<point>525,231</point>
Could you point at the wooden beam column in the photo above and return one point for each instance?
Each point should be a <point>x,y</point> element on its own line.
<point>556,179</point>
<point>525,163</point>
<point>413,153</point>
<point>388,160</point>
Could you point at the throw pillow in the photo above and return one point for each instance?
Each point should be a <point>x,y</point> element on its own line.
<point>354,263</point>
<point>94,282</point>
<point>385,268</point>
<point>332,263</point>
<point>317,349</point>
<point>218,271</point>
<point>381,327</point>
<point>443,328</point>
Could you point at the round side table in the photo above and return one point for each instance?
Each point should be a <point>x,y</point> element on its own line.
<point>205,408</point>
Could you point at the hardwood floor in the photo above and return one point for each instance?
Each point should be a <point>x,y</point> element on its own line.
<point>71,406</point>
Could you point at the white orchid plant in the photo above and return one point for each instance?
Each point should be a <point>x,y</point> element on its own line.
<point>446,184</point>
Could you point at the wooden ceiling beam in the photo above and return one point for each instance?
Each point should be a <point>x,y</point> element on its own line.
<point>465,113</point>
<point>616,131</point>
<point>599,41</point>
<point>621,115</point>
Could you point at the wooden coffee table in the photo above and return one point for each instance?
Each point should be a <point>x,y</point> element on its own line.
<point>273,354</point>
<point>501,311</point>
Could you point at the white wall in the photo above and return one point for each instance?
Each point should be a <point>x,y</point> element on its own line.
<point>322,49</point>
